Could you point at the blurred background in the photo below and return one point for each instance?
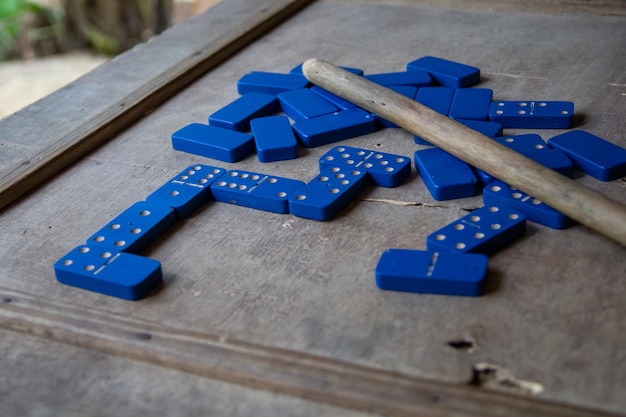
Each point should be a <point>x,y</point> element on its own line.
<point>46,44</point>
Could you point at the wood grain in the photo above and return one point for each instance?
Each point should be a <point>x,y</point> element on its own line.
<point>279,370</point>
<point>81,117</point>
<point>580,203</point>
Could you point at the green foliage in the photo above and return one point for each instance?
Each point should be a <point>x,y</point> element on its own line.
<point>12,16</point>
<point>101,42</point>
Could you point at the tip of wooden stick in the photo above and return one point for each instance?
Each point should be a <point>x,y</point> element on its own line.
<point>308,66</point>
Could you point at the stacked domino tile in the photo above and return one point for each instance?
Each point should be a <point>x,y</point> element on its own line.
<point>277,111</point>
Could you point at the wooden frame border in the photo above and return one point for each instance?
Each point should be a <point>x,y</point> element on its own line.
<point>284,371</point>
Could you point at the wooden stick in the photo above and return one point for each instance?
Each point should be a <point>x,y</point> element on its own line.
<point>576,201</point>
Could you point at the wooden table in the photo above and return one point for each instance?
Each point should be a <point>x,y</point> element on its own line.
<point>268,314</point>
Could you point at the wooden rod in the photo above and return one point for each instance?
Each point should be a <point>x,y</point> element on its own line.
<point>556,190</point>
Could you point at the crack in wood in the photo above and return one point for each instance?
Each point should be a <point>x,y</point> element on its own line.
<point>402,202</point>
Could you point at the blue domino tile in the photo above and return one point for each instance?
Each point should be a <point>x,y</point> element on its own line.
<point>303,103</point>
<point>270,82</point>
<point>532,114</point>
<point>591,154</point>
<point>274,139</point>
<point>385,169</point>
<point>523,144</point>
<point>341,103</point>
<point>484,230</point>
<point>484,177</point>
<point>329,192</point>
<point>533,146</point>
<point>104,271</point>
<point>437,98</point>
<point>432,272</point>
<point>405,90</point>
<point>237,114</point>
<point>553,159</point>
<point>490,129</point>
<point>408,78</point>
<point>445,176</point>
<point>135,228</point>
<point>188,190</point>
<point>471,103</point>
<point>334,127</point>
<point>254,190</point>
<point>445,72</point>
<point>213,142</point>
<point>298,70</point>
<point>502,195</point>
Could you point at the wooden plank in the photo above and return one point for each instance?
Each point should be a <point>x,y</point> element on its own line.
<point>598,7</point>
<point>279,370</point>
<point>74,121</point>
<point>45,378</point>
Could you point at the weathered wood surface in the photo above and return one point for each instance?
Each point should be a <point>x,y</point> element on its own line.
<point>553,314</point>
<point>82,116</point>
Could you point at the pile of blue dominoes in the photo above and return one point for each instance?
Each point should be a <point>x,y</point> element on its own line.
<point>278,112</point>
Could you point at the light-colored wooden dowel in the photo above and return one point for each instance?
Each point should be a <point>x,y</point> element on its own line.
<point>576,201</point>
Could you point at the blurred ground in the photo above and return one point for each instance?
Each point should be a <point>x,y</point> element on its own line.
<point>24,82</point>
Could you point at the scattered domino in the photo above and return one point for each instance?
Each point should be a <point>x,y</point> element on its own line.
<point>523,144</point>
<point>445,176</point>
<point>334,127</point>
<point>411,78</point>
<point>502,195</point>
<point>237,115</point>
<point>303,103</point>
<point>553,159</point>
<point>437,98</point>
<point>533,114</point>
<point>490,129</point>
<point>447,73</point>
<point>341,103</point>
<point>135,228</point>
<point>591,154</point>
<point>213,142</point>
<point>533,147</point>
<point>113,273</point>
<point>484,230</point>
<point>270,82</point>
<point>187,191</point>
<point>329,192</point>
<point>385,170</point>
<point>434,272</point>
<point>274,139</point>
<point>471,103</point>
<point>258,191</point>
